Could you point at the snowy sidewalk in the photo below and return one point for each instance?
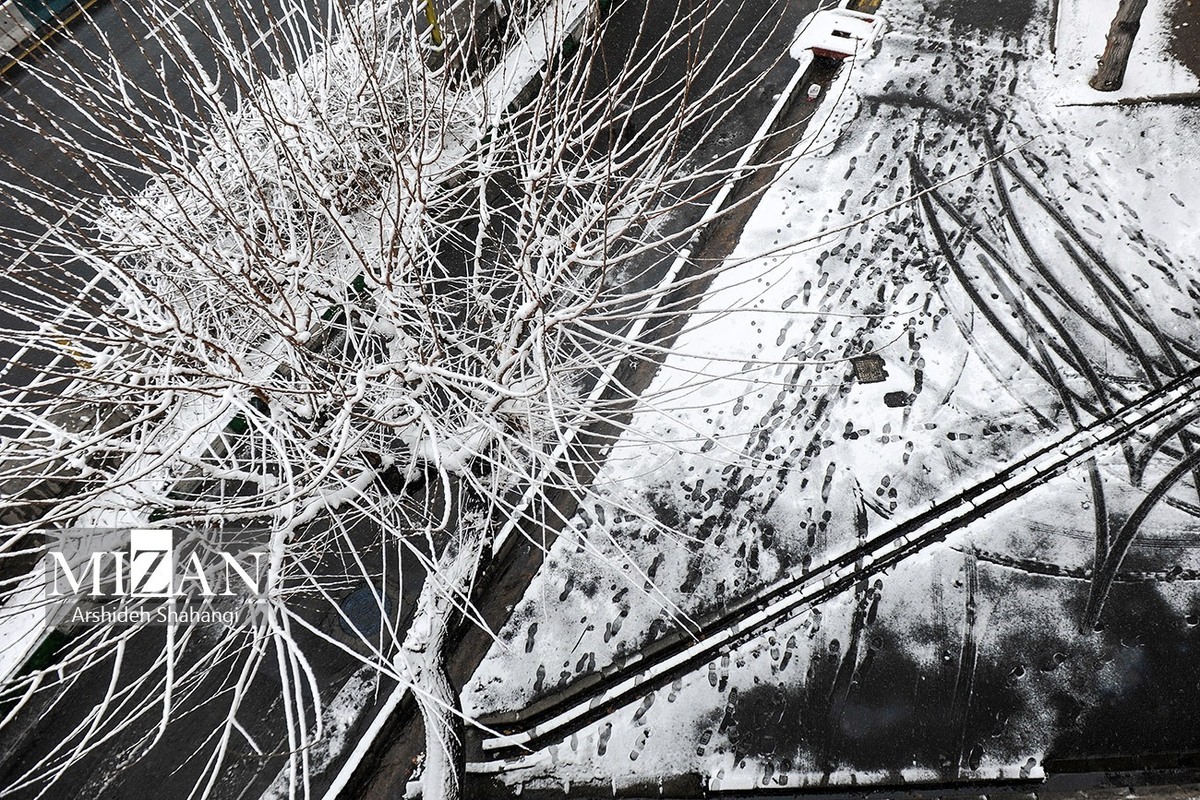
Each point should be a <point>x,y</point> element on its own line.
<point>790,461</point>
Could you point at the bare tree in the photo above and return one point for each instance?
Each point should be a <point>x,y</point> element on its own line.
<point>349,272</point>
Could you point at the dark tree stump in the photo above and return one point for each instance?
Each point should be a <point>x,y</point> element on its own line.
<point>1110,73</point>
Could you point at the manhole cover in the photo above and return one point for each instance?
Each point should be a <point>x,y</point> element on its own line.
<point>869,369</point>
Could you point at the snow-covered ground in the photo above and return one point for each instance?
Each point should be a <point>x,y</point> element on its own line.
<point>1048,277</point>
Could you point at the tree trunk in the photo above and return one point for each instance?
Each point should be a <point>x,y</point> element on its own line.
<point>1110,73</point>
<point>444,767</point>
<point>424,659</point>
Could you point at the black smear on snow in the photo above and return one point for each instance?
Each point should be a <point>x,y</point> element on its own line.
<point>842,718</point>
<point>1009,16</point>
<point>869,703</point>
<point>1147,704</point>
<point>1126,693</point>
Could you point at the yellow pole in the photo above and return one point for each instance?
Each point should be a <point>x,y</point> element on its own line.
<point>432,18</point>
